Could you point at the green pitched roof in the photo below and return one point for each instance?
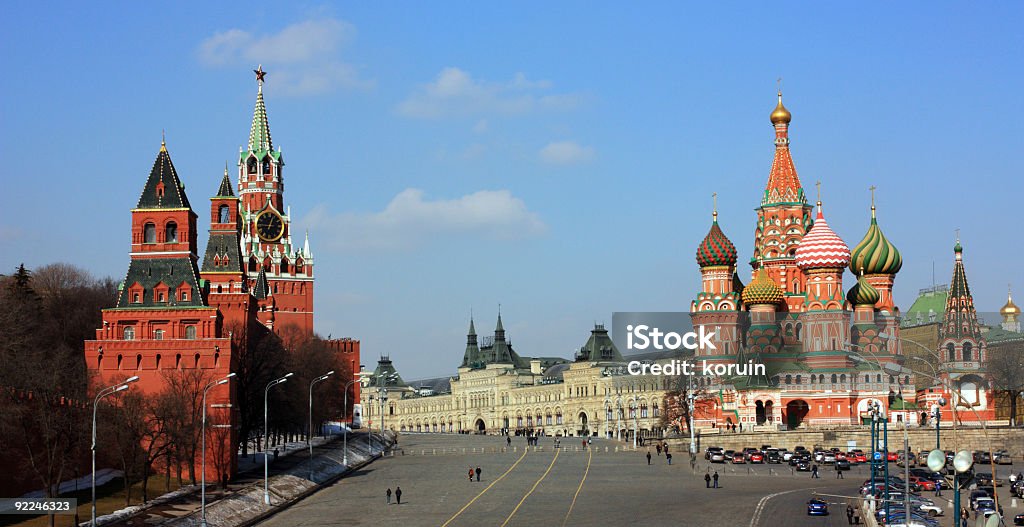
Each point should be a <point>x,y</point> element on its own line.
<point>163,189</point>
<point>172,272</point>
<point>259,134</point>
<point>599,347</point>
<point>261,289</point>
<point>930,302</point>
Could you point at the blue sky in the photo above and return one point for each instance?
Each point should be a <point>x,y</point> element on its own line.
<point>557,159</point>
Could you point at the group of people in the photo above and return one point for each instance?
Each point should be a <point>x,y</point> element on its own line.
<point>709,478</point>
<point>398,495</point>
<point>659,447</point>
<point>476,472</point>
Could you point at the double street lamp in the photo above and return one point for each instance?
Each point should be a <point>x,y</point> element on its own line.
<point>121,386</point>
<point>205,390</point>
<point>309,432</point>
<point>266,438</point>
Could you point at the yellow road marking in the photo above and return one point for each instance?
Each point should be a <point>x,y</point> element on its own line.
<point>590,455</point>
<point>463,509</point>
<point>559,451</point>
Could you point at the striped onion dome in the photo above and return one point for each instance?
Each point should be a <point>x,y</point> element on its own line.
<point>863,294</point>
<point>762,290</point>
<point>716,249</point>
<point>822,248</point>
<point>875,254</point>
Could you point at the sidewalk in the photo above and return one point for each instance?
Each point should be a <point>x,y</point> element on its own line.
<point>290,474</point>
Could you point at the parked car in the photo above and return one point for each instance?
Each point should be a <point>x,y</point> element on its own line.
<point>975,496</point>
<point>717,456</point>
<point>828,458</point>
<point>1003,458</point>
<point>738,459</point>
<point>1018,519</point>
<point>816,507</point>
<point>922,483</point>
<point>985,479</point>
<point>756,457</point>
<point>803,466</point>
<point>891,456</point>
<point>773,457</point>
<point>842,464</point>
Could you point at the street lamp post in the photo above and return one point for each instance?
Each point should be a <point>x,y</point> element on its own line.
<point>203,433</point>
<point>309,429</point>
<point>95,404</point>
<point>689,414</point>
<point>266,438</point>
<point>938,418</point>
<point>345,409</point>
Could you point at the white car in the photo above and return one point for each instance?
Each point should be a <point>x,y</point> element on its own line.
<point>787,455</point>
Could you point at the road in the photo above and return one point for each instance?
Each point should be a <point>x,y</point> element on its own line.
<point>566,486</point>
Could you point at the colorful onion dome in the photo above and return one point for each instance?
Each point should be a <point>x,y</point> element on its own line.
<point>863,293</point>
<point>822,248</point>
<point>780,114</point>
<point>716,249</point>
<point>875,254</point>
<point>762,290</point>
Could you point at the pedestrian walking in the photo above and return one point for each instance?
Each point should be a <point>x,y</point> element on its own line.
<point>398,494</point>
<point>470,473</point>
<point>938,488</point>
<point>664,446</point>
<point>707,480</point>
<point>478,473</point>
<point>658,448</point>
<point>849,513</point>
<point>669,458</point>
<point>648,457</point>
<point>508,441</point>
<point>715,478</point>
<point>814,471</point>
<point>839,473</point>
<point>388,494</point>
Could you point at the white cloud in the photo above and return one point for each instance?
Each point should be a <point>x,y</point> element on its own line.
<point>303,58</point>
<point>566,153</point>
<point>411,220</point>
<point>456,92</point>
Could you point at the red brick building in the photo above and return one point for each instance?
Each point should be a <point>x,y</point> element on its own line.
<point>174,316</point>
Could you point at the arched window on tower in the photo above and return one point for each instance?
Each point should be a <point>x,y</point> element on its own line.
<point>129,333</point>
<point>252,165</point>
<point>967,351</point>
<point>284,266</point>
<point>266,166</point>
<point>224,214</point>
<point>171,233</point>
<point>149,233</point>
<point>951,350</point>
<point>252,264</point>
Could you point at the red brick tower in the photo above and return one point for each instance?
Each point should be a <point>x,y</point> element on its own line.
<point>162,327</point>
<point>223,263</point>
<point>266,238</point>
<point>718,307</point>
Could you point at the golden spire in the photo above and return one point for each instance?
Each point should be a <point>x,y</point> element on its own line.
<point>163,141</point>
<point>780,114</point>
<point>714,206</point>
<point>872,189</point>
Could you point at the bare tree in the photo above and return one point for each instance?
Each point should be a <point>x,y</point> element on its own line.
<point>1005,367</point>
<point>677,404</point>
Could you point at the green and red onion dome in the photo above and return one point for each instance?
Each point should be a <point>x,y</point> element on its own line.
<point>716,249</point>
<point>875,254</point>
<point>762,290</point>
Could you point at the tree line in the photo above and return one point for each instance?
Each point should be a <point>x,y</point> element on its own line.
<point>47,314</point>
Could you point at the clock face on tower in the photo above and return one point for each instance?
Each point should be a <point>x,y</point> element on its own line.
<point>269,226</point>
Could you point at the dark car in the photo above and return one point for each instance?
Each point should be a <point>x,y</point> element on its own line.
<point>1018,519</point>
<point>975,496</point>
<point>842,464</point>
<point>803,465</point>
<point>773,457</point>
<point>816,507</point>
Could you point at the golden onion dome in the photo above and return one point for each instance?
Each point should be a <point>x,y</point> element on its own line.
<point>762,290</point>
<point>1010,308</point>
<point>780,114</point>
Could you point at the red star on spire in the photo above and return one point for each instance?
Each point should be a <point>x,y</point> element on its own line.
<point>260,74</point>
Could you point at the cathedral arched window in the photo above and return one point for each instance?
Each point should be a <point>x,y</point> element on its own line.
<point>834,378</point>
<point>149,233</point>
<point>967,351</point>
<point>284,266</point>
<point>951,350</point>
<point>171,233</point>
<point>190,332</point>
<point>224,214</point>
<point>129,333</point>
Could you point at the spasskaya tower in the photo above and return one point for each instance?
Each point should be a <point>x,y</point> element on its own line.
<point>278,272</point>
